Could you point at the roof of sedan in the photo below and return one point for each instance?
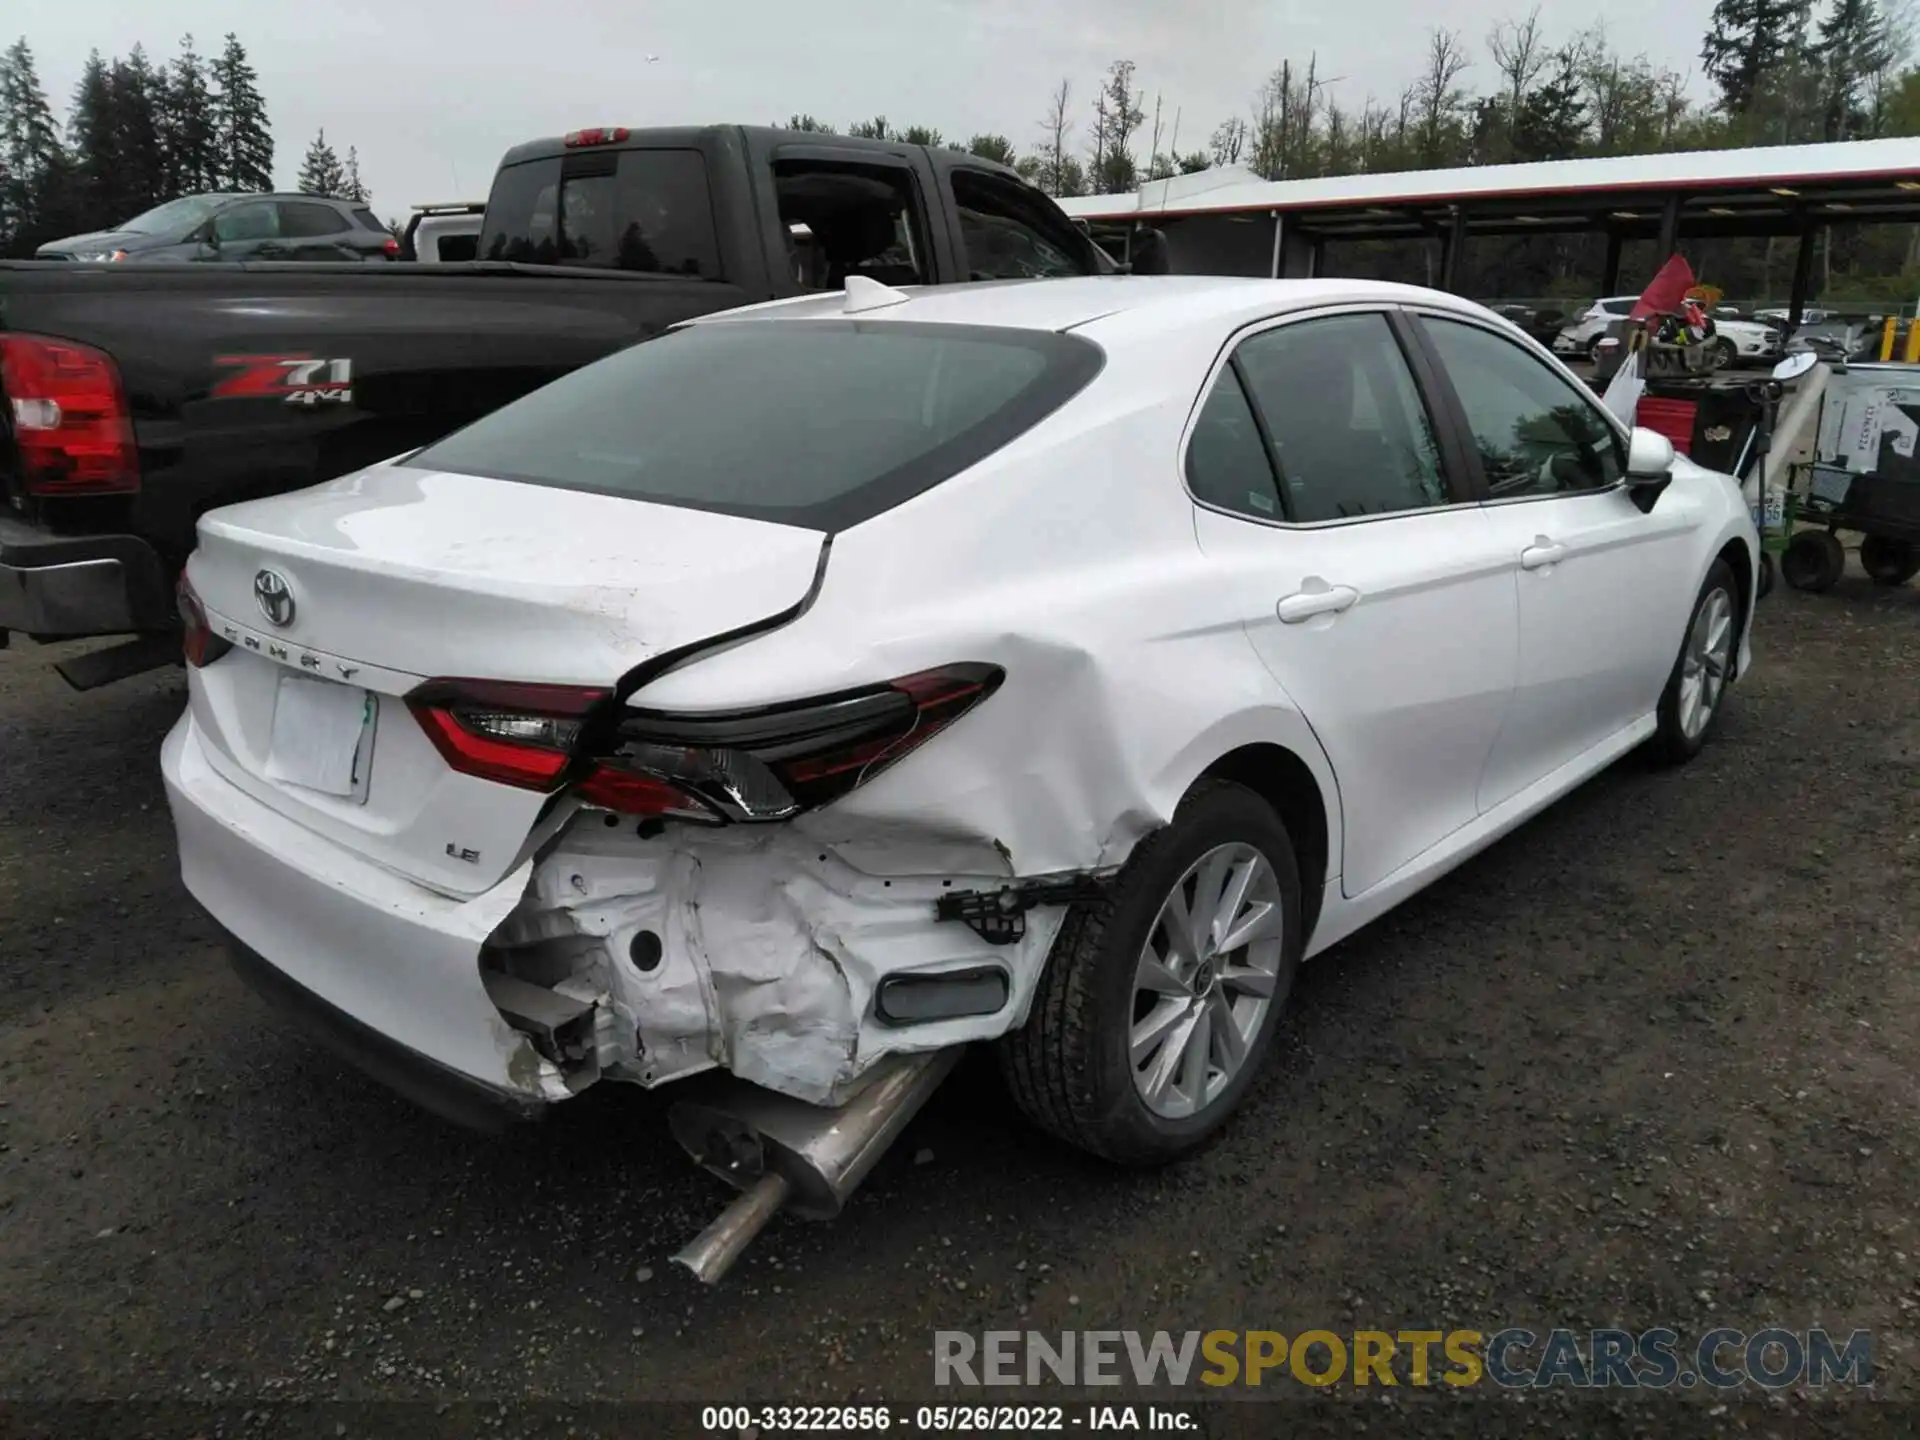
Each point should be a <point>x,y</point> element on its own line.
<point>1067,304</point>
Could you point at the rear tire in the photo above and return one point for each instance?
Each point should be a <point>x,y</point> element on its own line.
<point>1132,999</point>
<point>1722,353</point>
<point>1814,560</point>
<point>1888,561</point>
<point>1696,690</point>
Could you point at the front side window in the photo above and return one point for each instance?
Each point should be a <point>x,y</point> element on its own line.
<point>1349,434</point>
<point>1536,434</point>
<point>816,423</point>
<point>1008,235</point>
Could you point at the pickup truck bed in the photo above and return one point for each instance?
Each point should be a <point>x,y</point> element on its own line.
<point>236,381</point>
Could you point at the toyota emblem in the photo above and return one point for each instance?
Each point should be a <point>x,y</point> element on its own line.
<point>274,596</point>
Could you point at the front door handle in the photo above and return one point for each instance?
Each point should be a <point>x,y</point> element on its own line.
<point>1316,597</point>
<point>1542,552</point>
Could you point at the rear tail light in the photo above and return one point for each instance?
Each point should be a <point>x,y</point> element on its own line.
<point>520,735</point>
<point>72,427</point>
<point>197,641</point>
<point>392,248</point>
<point>598,135</point>
<point>771,762</point>
<point>746,765</point>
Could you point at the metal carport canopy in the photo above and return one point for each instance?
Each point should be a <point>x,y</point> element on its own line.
<point>1773,190</point>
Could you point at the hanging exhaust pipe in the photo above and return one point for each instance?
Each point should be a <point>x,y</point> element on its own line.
<point>782,1153</point>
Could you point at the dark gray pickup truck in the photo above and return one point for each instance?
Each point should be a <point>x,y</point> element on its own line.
<point>140,396</point>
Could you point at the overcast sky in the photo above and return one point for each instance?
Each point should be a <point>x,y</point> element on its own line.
<point>432,91</point>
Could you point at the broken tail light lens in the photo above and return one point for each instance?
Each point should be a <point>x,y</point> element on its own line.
<point>519,735</point>
<point>752,765</point>
<point>197,641</point>
<point>72,427</point>
<point>773,761</point>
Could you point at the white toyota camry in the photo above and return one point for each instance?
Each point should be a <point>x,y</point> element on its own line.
<point>1053,663</point>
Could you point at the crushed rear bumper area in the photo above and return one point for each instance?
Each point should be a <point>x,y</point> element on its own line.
<point>72,586</point>
<point>425,1081</point>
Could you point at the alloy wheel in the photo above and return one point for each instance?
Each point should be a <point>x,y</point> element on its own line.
<point>1205,980</point>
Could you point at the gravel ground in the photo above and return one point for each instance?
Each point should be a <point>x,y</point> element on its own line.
<point>1647,1062</point>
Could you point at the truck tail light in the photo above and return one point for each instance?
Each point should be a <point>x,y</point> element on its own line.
<point>201,646</point>
<point>72,427</point>
<point>761,764</point>
<point>598,135</point>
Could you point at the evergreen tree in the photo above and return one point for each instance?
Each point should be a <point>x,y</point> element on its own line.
<point>992,147</point>
<point>187,124</point>
<point>139,159</point>
<point>1745,39</point>
<point>353,187</point>
<point>242,136</point>
<point>321,172</point>
<point>1552,121</point>
<point>1853,43</point>
<point>33,170</point>
<point>90,139</point>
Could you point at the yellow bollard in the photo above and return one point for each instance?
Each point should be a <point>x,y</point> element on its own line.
<point>1911,354</point>
<point>1886,338</point>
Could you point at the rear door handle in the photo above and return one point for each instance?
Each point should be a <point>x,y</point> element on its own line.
<point>1542,552</point>
<point>1316,597</point>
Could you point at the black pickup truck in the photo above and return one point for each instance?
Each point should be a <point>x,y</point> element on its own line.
<point>140,396</point>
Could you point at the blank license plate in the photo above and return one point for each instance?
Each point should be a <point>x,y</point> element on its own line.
<point>322,736</point>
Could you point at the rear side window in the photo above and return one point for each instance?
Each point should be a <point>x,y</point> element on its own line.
<point>302,218</point>
<point>1351,438</point>
<point>367,219</point>
<point>611,209</point>
<point>816,423</point>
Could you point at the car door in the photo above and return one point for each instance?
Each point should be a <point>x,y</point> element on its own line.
<point>247,231</point>
<point>1604,588</point>
<point>1367,578</point>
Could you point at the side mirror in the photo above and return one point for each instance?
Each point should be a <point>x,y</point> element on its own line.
<point>1649,466</point>
<point>1795,365</point>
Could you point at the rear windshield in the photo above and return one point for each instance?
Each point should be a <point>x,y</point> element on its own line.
<point>817,423</point>
<point>610,209</point>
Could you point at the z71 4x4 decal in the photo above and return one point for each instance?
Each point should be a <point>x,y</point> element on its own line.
<point>292,379</point>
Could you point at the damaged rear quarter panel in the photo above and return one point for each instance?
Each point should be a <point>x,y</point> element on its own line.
<point>1068,559</point>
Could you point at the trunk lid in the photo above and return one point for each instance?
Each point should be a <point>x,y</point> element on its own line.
<point>382,579</point>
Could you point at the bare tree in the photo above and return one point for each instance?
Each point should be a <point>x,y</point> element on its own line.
<point>1284,112</point>
<point>1520,53</point>
<point>1339,141</point>
<point>1055,128</point>
<point>1228,140</point>
<point>1438,96</point>
<point>1117,113</point>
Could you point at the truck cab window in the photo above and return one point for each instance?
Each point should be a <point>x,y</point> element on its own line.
<point>847,219</point>
<point>609,209</point>
<point>1010,236</point>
